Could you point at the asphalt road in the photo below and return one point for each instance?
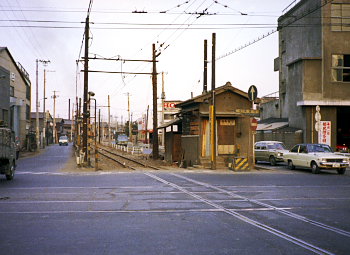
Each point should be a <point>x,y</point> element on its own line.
<point>277,211</point>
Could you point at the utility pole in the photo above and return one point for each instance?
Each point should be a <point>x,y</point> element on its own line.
<point>45,138</point>
<point>205,73</point>
<point>37,108</point>
<point>130,133</point>
<point>109,121</point>
<point>147,140</point>
<point>212,106</point>
<point>37,131</point>
<point>86,88</point>
<point>155,149</point>
<point>99,125</point>
<point>54,116</point>
<point>69,109</point>
<point>163,98</point>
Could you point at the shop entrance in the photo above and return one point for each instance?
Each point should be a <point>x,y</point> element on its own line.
<point>343,129</point>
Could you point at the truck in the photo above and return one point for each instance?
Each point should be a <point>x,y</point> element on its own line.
<point>7,153</point>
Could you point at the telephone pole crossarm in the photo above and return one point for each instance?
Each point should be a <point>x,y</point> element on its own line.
<point>97,71</point>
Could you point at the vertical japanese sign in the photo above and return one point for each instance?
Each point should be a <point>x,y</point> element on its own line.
<point>324,134</point>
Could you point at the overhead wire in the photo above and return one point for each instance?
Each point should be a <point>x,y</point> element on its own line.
<point>288,24</point>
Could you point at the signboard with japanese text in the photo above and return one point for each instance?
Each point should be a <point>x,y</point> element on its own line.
<point>324,134</point>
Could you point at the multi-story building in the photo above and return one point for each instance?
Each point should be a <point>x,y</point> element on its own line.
<point>15,95</point>
<point>314,68</point>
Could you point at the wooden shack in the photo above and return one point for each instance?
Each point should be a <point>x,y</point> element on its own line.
<point>232,128</point>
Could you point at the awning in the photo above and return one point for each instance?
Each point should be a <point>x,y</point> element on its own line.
<point>169,123</point>
<point>271,126</point>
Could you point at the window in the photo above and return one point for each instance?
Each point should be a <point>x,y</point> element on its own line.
<point>341,68</point>
<point>340,17</point>
<point>295,148</point>
<point>28,92</point>
<point>303,149</point>
<point>12,91</point>
<point>27,112</point>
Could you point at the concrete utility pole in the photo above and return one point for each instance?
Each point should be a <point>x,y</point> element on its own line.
<point>37,108</point>
<point>54,116</point>
<point>212,108</point>
<point>155,148</point>
<point>37,131</point>
<point>86,90</point>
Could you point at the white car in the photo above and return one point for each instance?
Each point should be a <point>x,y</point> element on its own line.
<point>316,157</point>
<point>63,140</point>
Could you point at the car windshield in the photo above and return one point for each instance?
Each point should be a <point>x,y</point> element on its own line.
<point>276,146</point>
<point>319,148</point>
<point>63,137</point>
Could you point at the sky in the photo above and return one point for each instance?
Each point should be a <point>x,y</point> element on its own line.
<point>53,30</point>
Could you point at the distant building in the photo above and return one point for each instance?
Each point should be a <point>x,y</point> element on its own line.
<point>48,138</point>
<point>314,70</point>
<point>15,95</point>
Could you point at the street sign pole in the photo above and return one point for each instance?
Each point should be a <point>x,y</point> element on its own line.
<point>252,95</point>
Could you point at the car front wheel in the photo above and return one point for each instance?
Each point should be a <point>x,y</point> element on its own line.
<point>272,160</point>
<point>290,165</point>
<point>341,170</point>
<point>315,169</point>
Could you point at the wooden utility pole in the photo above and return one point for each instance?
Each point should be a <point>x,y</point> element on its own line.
<point>109,121</point>
<point>205,72</point>
<point>147,140</point>
<point>130,133</point>
<point>155,149</point>
<point>163,98</point>
<point>212,107</point>
<point>99,125</point>
<point>69,109</point>
<point>86,88</point>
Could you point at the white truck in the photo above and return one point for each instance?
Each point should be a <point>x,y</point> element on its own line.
<point>7,153</point>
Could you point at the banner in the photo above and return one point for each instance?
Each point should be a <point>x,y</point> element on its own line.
<point>324,134</point>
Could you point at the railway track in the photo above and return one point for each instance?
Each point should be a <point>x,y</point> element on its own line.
<point>124,161</point>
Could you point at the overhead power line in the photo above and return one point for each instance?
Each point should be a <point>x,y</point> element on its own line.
<point>288,24</point>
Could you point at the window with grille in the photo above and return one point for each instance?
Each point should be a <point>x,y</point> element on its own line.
<point>341,68</point>
<point>340,20</point>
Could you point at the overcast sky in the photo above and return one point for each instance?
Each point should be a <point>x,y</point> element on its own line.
<point>128,29</point>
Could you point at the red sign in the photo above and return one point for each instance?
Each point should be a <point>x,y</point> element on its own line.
<point>254,124</point>
<point>169,105</point>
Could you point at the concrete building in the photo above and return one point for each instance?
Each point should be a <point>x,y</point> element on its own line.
<point>15,95</point>
<point>314,69</point>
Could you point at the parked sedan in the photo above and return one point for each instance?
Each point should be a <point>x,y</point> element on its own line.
<point>316,157</point>
<point>271,151</point>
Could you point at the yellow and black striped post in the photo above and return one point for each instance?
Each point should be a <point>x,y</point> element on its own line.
<point>239,164</point>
